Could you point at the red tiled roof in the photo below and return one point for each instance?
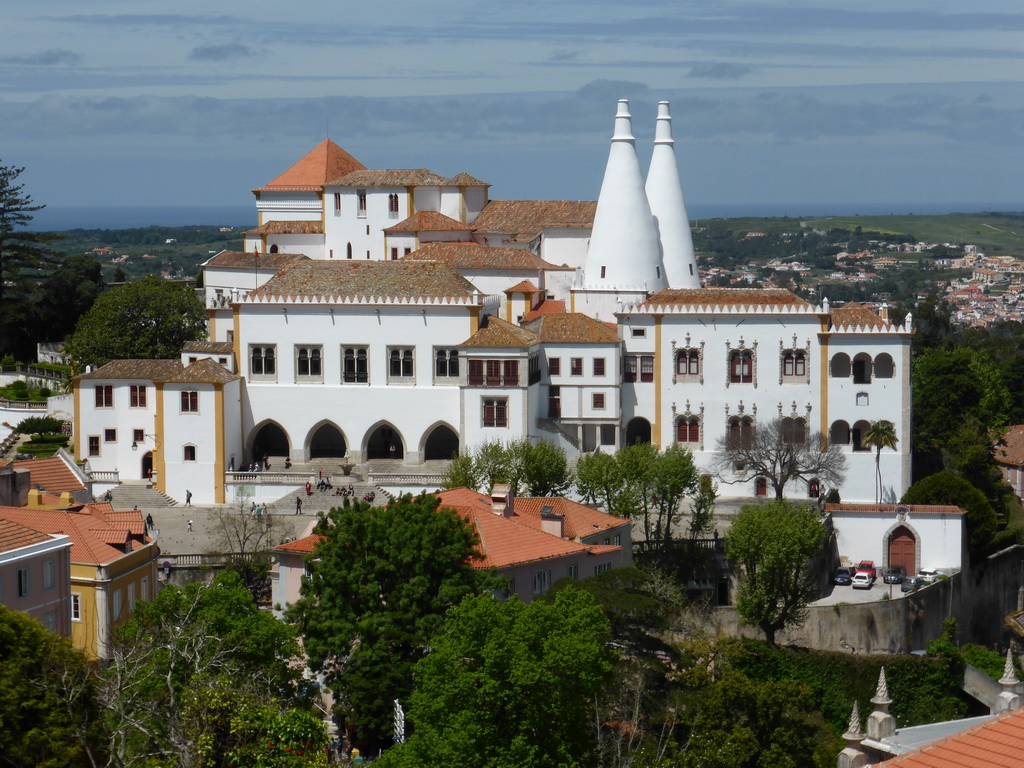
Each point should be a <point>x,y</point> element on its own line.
<point>15,536</point>
<point>51,474</point>
<point>324,162</point>
<point>726,297</point>
<point>546,307</point>
<point>572,328</point>
<point>404,177</point>
<point>87,527</point>
<point>524,286</point>
<point>997,743</point>
<point>429,221</point>
<point>579,520</point>
<point>367,280</point>
<point>143,370</point>
<point>935,509</point>
<point>524,220</point>
<point>204,371</point>
<point>853,315</point>
<point>246,260</point>
<point>498,333</point>
<point>476,256</point>
<point>288,228</point>
<point>1013,450</point>
<point>305,545</point>
<point>465,180</point>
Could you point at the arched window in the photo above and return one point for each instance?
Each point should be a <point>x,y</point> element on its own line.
<point>862,368</point>
<point>839,433</point>
<point>273,248</point>
<point>794,365</point>
<point>884,366</point>
<point>348,251</point>
<point>741,432</point>
<point>761,486</point>
<point>688,362</point>
<point>839,367</point>
<point>741,366</point>
<point>393,205</point>
<point>688,430</point>
<point>857,435</point>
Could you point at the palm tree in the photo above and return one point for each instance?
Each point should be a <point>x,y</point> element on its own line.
<point>881,434</point>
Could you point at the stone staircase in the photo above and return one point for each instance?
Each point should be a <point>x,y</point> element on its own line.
<point>128,495</point>
<point>323,501</point>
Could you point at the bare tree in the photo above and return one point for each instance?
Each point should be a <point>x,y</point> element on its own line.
<point>247,541</point>
<point>780,451</point>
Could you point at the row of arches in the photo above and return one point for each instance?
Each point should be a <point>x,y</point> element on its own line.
<point>841,433</point>
<point>327,441</point>
<point>862,367</point>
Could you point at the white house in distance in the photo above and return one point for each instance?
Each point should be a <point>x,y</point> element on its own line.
<point>400,315</point>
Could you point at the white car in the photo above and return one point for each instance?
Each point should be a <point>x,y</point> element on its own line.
<point>862,581</point>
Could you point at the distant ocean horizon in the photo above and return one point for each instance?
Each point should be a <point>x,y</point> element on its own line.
<point>59,218</point>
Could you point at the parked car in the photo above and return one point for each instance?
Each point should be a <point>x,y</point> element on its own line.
<point>866,566</point>
<point>929,577</point>
<point>894,574</point>
<point>862,580</point>
<point>842,576</point>
<point>912,584</point>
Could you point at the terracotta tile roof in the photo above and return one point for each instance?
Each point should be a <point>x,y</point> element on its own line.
<point>246,260</point>
<point>853,315</point>
<point>288,228</point>
<point>546,307</point>
<point>524,286</point>
<point>209,347</point>
<point>526,219</point>
<point>465,180</point>
<point>324,162</point>
<point>146,370</point>
<point>997,743</point>
<point>15,536</point>
<point>51,474</point>
<point>476,256</point>
<point>429,221</point>
<point>205,371</point>
<point>89,531</point>
<point>365,280</point>
<point>726,297</point>
<point>305,545</point>
<point>500,333</point>
<point>572,328</point>
<point>415,177</point>
<point>579,520</point>
<point>934,509</point>
<point>1013,450</point>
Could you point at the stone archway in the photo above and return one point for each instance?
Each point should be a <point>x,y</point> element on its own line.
<point>385,442</point>
<point>903,549</point>
<point>269,439</point>
<point>638,430</point>
<point>327,442</point>
<point>442,443</point>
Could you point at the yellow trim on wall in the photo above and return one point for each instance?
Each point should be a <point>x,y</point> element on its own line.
<point>236,341</point>
<point>823,379</point>
<point>410,200</point>
<point>77,423</point>
<point>211,322</point>
<point>655,427</point>
<point>159,465</point>
<point>218,444</point>
<point>474,320</point>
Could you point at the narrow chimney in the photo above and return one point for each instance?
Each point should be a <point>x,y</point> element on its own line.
<point>552,523</point>
<point>502,500</point>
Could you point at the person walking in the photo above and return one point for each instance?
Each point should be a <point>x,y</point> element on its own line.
<point>298,505</point>
<point>188,498</point>
<point>149,521</point>
<point>190,526</point>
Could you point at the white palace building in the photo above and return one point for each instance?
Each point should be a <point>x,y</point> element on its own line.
<point>399,316</point>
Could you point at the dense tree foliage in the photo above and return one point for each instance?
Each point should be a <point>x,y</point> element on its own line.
<point>49,712</point>
<point>25,259</point>
<point>950,489</point>
<point>781,452</point>
<point>378,588</point>
<point>533,469</point>
<point>147,319</point>
<point>774,543</point>
<point>508,685</point>
<point>68,294</point>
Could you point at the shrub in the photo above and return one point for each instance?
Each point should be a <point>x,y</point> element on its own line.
<point>40,425</point>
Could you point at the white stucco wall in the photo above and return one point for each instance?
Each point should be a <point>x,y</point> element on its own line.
<point>864,535</point>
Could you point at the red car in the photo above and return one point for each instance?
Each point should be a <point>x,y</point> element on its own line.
<point>868,567</point>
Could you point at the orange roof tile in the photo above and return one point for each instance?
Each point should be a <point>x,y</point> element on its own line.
<point>725,297</point>
<point>465,180</point>
<point>404,177</point>
<point>579,520</point>
<point>524,220</point>
<point>937,509</point>
<point>143,370</point>
<point>429,221</point>
<point>997,743</point>
<point>288,228</point>
<point>246,260</point>
<point>524,286</point>
<point>1012,451</point>
<point>853,315</point>
<point>324,162</point>
<point>498,333</point>
<point>52,474</point>
<point>15,536</point>
<point>204,371</point>
<point>546,307</point>
<point>305,545</point>
<point>572,328</point>
<point>476,256</point>
<point>91,535</point>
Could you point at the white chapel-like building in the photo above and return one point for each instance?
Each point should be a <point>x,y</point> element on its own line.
<point>402,315</point>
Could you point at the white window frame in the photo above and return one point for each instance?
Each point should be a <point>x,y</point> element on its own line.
<point>76,606</point>
<point>24,584</point>
<point>541,581</point>
<point>49,574</point>
<point>574,571</point>
<point>117,604</point>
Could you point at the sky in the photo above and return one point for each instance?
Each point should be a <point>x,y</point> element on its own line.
<point>913,103</point>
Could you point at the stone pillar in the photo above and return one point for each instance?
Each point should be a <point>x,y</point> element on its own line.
<point>1008,700</point>
<point>881,725</point>
<point>852,757</point>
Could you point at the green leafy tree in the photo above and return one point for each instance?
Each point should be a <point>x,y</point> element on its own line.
<point>781,452</point>
<point>599,481</point>
<point>67,295</point>
<point>545,469</point>
<point>880,434</point>
<point>947,488</point>
<point>462,472</point>
<point>146,319</point>
<point>49,712</point>
<point>535,469</point>
<point>775,543</point>
<point>379,585</point>
<point>25,258</point>
<point>508,684</point>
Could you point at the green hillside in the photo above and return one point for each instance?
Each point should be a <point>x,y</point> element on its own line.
<point>991,232</point>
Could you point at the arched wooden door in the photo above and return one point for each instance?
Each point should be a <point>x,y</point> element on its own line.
<point>903,549</point>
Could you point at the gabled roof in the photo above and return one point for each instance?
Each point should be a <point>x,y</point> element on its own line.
<point>997,743</point>
<point>365,280</point>
<point>475,256</point>
<point>546,307</point>
<point>88,527</point>
<point>324,162</point>
<point>15,536</point>
<point>498,333</point>
<point>580,521</point>
<point>1013,450</point>
<point>288,228</point>
<point>406,177</point>
<point>465,180</point>
<point>853,315</point>
<point>572,328</point>
<point>52,474</point>
<point>145,370</point>
<point>247,260</point>
<point>304,546</point>
<point>209,347</point>
<point>205,371</point>
<point>429,221</point>
<point>524,286</point>
<point>726,297</point>
<point>524,220</point>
